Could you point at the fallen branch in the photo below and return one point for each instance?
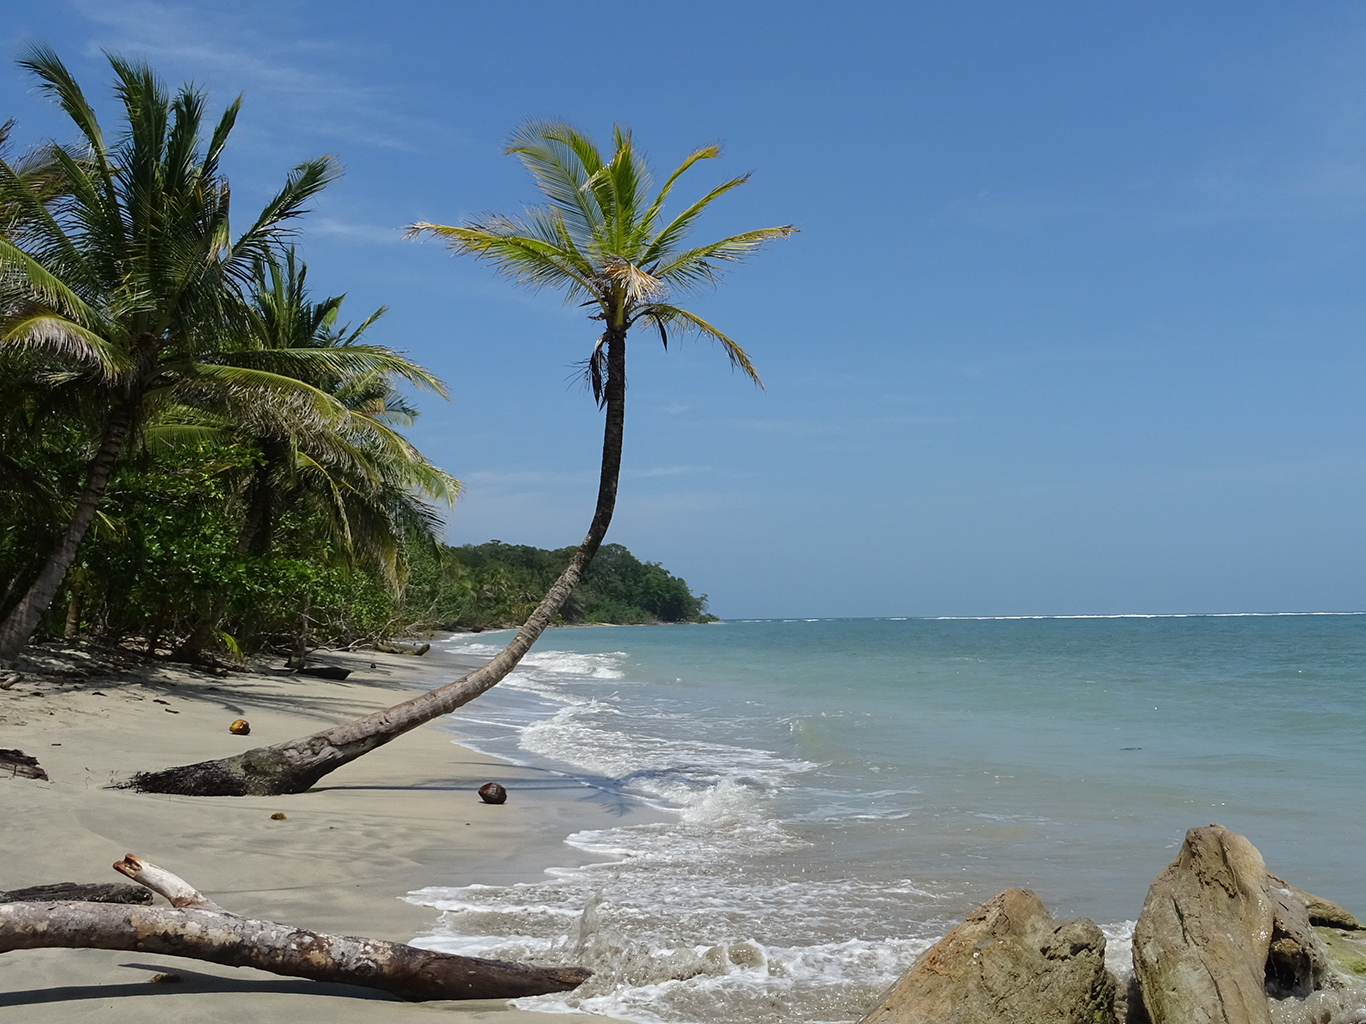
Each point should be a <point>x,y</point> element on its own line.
<point>198,928</point>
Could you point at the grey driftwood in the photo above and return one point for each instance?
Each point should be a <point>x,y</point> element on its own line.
<point>196,927</point>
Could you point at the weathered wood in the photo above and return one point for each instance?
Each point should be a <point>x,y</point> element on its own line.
<point>89,892</point>
<point>16,763</point>
<point>198,928</point>
<point>180,893</point>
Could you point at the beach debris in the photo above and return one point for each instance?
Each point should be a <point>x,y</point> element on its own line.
<point>1222,939</point>
<point>278,816</point>
<point>493,793</point>
<point>240,727</point>
<point>325,672</point>
<point>8,679</point>
<point>416,652</point>
<point>1008,961</point>
<point>196,927</point>
<point>90,892</point>
<point>17,764</point>
<point>165,978</point>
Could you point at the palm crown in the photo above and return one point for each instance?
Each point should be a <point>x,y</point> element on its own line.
<point>603,238</point>
<point>136,255</point>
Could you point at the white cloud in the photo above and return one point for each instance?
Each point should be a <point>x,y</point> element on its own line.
<point>335,228</point>
<point>673,471</point>
<point>261,56</point>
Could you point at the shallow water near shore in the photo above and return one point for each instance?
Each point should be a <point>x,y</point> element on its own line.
<point>838,793</point>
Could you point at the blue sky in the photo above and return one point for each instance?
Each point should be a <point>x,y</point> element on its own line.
<point>1074,323</point>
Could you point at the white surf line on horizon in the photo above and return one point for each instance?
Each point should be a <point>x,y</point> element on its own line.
<point>1136,615</point>
<point>1022,618</point>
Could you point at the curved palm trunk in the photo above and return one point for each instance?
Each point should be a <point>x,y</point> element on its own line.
<point>294,766</point>
<point>23,619</point>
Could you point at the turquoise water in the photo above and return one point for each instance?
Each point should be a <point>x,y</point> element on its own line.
<point>840,792</point>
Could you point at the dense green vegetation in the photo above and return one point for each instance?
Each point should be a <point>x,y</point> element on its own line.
<point>194,451</point>
<point>496,584</point>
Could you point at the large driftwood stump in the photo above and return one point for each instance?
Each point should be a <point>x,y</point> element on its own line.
<point>196,927</point>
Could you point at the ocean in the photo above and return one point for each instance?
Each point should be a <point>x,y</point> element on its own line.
<point>835,794</point>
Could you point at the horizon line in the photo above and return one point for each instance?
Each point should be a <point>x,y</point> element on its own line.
<point>1008,618</point>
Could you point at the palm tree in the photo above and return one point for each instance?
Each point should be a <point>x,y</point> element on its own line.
<point>37,427</point>
<point>129,278</point>
<point>363,481</point>
<point>602,239</point>
<point>364,478</point>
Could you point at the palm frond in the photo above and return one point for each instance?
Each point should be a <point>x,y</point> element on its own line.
<point>531,261</point>
<point>561,160</point>
<point>51,290</point>
<point>697,266</point>
<point>22,202</point>
<point>42,61</point>
<point>667,317</point>
<point>171,437</point>
<point>647,221</point>
<point>342,361</point>
<point>50,332</point>
<point>259,241</point>
<point>664,242</point>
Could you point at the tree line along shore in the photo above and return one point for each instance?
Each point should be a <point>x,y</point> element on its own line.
<point>497,585</point>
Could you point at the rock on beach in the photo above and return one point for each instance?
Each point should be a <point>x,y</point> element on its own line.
<point>1220,940</point>
<point>1223,941</point>
<point>1009,962</point>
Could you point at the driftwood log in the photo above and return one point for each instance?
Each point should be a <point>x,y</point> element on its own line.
<point>15,763</point>
<point>89,892</point>
<point>197,927</point>
<point>417,652</point>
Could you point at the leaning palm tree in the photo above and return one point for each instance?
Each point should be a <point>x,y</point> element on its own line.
<point>603,240</point>
<point>129,278</point>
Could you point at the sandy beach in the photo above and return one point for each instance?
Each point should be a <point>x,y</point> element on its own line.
<point>404,816</point>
